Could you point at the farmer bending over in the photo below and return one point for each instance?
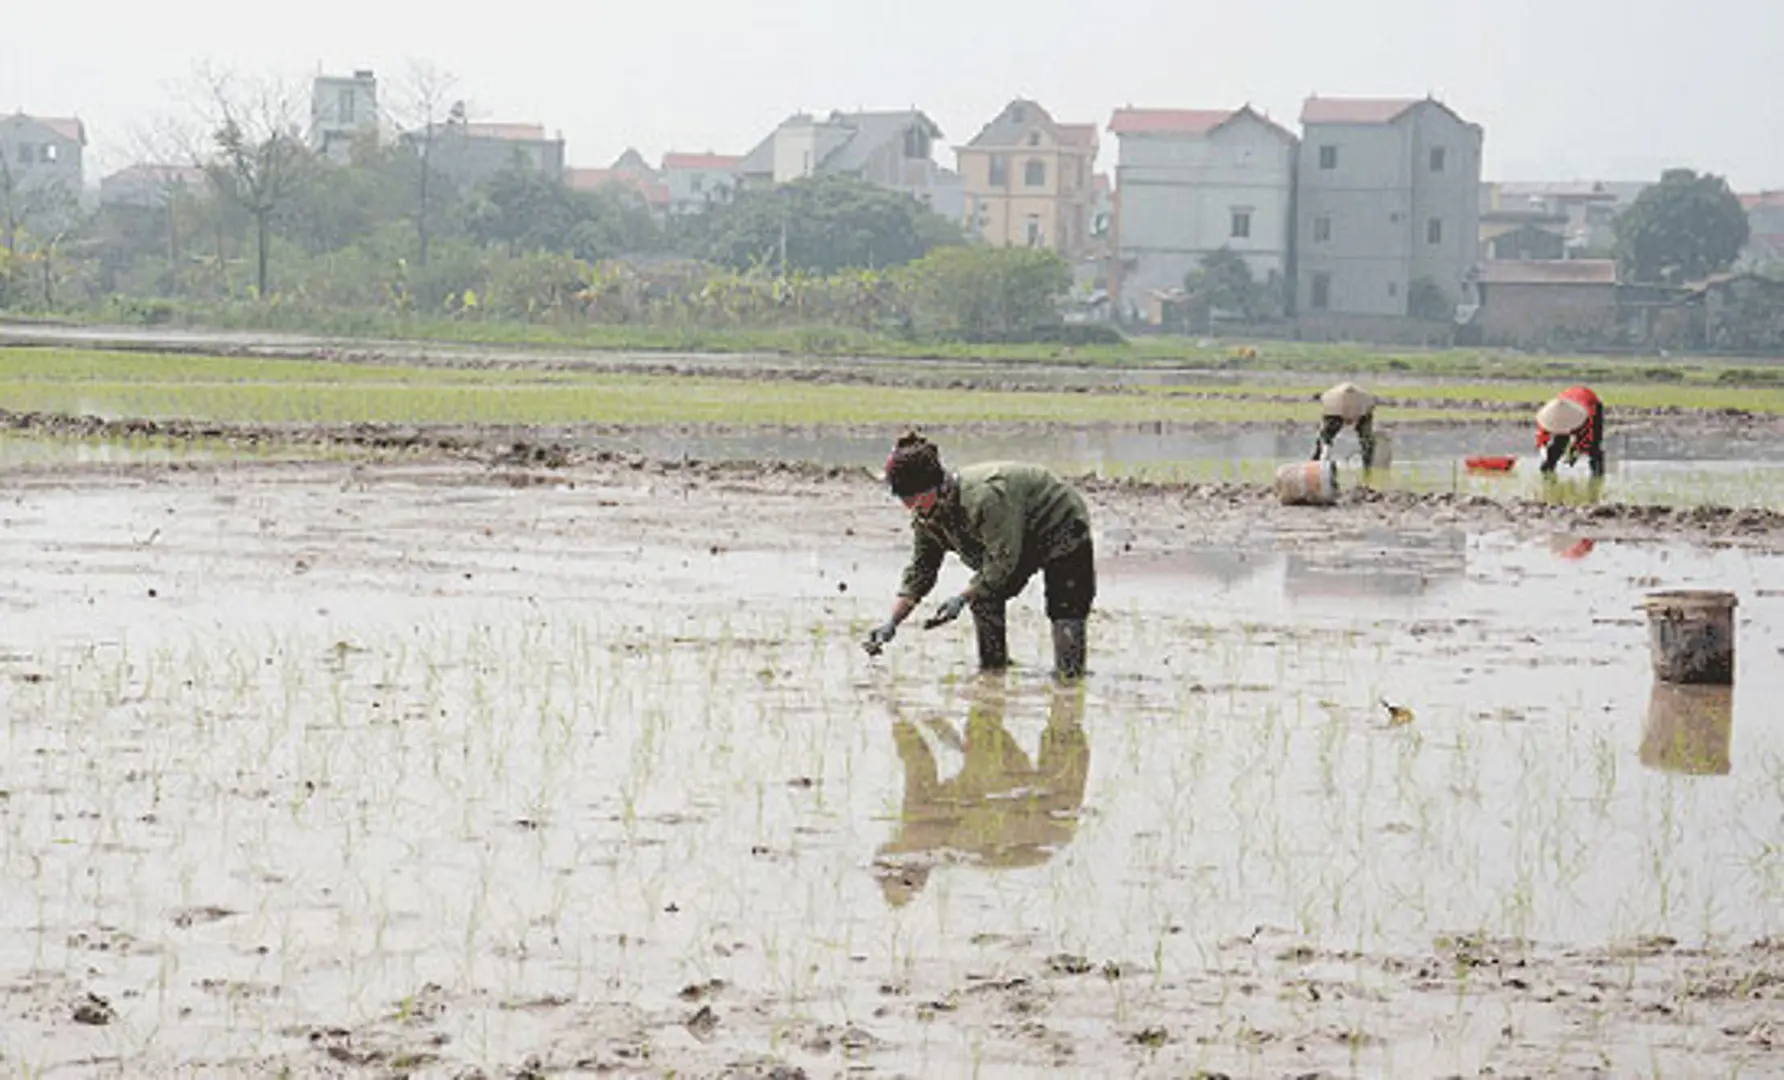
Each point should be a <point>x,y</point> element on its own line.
<point>1006,520</point>
<point>1572,424</point>
<point>1344,405</point>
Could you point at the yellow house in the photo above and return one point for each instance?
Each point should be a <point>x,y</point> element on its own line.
<point>1028,180</point>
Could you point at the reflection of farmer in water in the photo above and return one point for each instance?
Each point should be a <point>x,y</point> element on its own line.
<point>1571,424</point>
<point>1346,405</point>
<point>1000,809</point>
<point>1007,521</point>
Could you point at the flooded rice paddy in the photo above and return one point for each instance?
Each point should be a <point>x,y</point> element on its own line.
<point>371,770</point>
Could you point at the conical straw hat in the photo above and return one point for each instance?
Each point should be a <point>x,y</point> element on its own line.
<point>1562,416</point>
<point>1347,400</point>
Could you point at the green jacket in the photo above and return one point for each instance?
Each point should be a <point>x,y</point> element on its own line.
<point>1005,522</point>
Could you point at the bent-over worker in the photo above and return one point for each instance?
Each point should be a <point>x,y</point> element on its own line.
<point>1571,424</point>
<point>1347,405</point>
<point>1007,521</point>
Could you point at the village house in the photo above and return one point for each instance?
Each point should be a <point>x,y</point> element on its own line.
<point>470,153</point>
<point>632,175</point>
<point>1189,182</point>
<point>1027,180</point>
<point>697,182</point>
<point>1388,214</point>
<point>343,112</point>
<point>1548,302</point>
<point>42,155</point>
<point>893,149</point>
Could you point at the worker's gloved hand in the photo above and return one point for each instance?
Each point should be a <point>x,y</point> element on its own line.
<point>879,637</point>
<point>949,610</point>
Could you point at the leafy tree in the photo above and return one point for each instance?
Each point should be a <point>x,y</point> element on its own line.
<point>1683,229</point>
<point>979,293</point>
<point>1223,283</point>
<point>1425,299</point>
<point>259,162</point>
<point>521,210</point>
<point>818,225</point>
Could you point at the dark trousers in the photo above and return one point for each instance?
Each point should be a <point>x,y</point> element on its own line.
<point>1070,581</point>
<point>1332,425</point>
<point>1593,438</point>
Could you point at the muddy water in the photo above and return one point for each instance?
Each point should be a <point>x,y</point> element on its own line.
<point>351,768</point>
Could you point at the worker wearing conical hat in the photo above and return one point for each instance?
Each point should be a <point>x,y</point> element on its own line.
<point>1571,424</point>
<point>1347,405</point>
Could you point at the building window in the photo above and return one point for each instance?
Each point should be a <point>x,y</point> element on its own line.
<point>1437,157</point>
<point>1434,231</point>
<point>1034,174</point>
<point>25,155</point>
<point>696,183</point>
<point>1000,170</point>
<point>1322,229</point>
<point>916,143</point>
<point>1321,292</point>
<point>49,153</point>
<point>1034,230</point>
<point>1393,288</point>
<point>1328,157</point>
<point>346,106</point>
<point>1241,224</point>
<point>1034,138</point>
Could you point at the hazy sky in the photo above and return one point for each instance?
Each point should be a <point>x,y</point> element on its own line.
<point>1610,89</point>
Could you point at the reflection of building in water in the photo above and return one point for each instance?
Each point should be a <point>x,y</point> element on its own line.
<point>1001,809</point>
<point>1379,563</point>
<point>1689,729</point>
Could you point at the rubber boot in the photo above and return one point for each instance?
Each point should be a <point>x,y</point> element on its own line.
<point>994,646</point>
<point>1068,648</point>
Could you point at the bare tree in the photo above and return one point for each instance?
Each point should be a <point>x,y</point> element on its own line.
<point>260,157</point>
<point>427,110</point>
<point>35,220</point>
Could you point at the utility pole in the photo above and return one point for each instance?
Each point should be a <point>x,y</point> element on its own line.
<point>783,241</point>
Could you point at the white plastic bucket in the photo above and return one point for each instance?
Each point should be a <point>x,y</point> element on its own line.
<point>1691,636</point>
<point>1311,483</point>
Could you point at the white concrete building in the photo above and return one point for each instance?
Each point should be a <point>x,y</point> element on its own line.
<point>1189,182</point>
<point>343,109</point>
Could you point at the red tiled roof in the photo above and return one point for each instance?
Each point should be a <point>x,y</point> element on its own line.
<point>713,162</point>
<point>1318,110</point>
<point>1762,198</point>
<point>510,132</point>
<point>654,192</point>
<point>66,127</point>
<point>1549,272</point>
<point>1168,121</point>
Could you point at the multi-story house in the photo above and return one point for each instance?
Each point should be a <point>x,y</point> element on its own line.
<point>698,181</point>
<point>1027,180</point>
<point>1388,210</point>
<point>892,149</point>
<point>631,173</point>
<point>1570,219</point>
<point>41,165</point>
<point>343,111</point>
<point>469,153</point>
<point>1189,182</point>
